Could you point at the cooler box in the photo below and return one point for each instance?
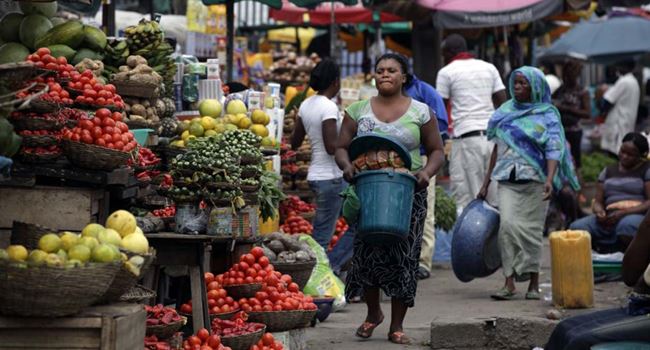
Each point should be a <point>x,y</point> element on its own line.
<point>571,269</point>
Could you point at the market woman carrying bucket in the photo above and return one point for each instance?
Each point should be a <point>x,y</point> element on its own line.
<point>376,265</point>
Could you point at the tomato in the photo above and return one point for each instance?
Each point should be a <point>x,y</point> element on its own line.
<point>122,126</point>
<point>215,310</point>
<point>117,116</point>
<point>212,285</point>
<point>108,122</point>
<point>110,145</point>
<point>221,302</point>
<point>226,309</point>
<point>97,132</point>
<point>117,137</point>
<point>293,288</point>
<point>43,51</point>
<point>223,293</point>
<point>211,303</point>
<point>86,124</point>
<point>214,341</point>
<point>264,261</point>
<point>103,113</point>
<point>257,252</point>
<point>239,280</point>
<point>85,80</point>
<point>186,308</point>
<point>286,279</point>
<point>110,88</point>
<point>48,58</point>
<point>87,139</point>
<point>98,87</point>
<point>247,308</point>
<point>213,294</point>
<point>250,259</point>
<point>62,60</point>
<point>203,334</point>
<point>206,347</point>
<point>90,93</point>
<point>243,266</point>
<point>101,101</point>
<point>194,340</point>
<point>251,272</point>
<point>249,280</point>
<point>87,73</point>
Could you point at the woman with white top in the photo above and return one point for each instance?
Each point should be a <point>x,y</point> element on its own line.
<point>320,119</point>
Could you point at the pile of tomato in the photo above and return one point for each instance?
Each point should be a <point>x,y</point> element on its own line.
<point>294,203</point>
<point>93,93</point>
<point>296,224</point>
<point>202,340</point>
<point>267,343</point>
<point>43,58</point>
<point>253,267</point>
<point>340,230</point>
<point>166,212</point>
<point>52,149</point>
<point>105,129</point>
<point>279,293</point>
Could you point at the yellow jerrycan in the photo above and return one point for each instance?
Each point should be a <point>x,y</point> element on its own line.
<point>572,275</point>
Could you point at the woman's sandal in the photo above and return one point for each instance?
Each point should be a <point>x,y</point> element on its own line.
<point>365,330</point>
<point>503,294</point>
<point>399,337</point>
<point>533,295</point>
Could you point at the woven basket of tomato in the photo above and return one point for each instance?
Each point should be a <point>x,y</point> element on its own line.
<point>267,342</point>
<point>36,121</point>
<point>103,142</point>
<point>245,278</point>
<point>204,340</point>
<point>37,155</point>
<point>236,333</point>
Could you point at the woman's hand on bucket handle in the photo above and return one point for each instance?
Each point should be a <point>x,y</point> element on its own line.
<point>422,180</point>
<point>349,172</point>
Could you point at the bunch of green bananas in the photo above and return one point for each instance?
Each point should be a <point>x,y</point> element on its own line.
<point>147,35</point>
<point>116,53</point>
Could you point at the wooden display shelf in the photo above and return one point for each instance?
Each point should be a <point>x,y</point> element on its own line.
<point>109,327</point>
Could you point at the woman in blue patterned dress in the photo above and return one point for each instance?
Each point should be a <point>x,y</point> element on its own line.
<point>530,159</point>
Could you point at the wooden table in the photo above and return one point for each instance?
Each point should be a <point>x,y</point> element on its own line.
<point>173,249</point>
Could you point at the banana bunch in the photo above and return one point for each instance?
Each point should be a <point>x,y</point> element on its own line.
<point>146,36</point>
<point>116,53</point>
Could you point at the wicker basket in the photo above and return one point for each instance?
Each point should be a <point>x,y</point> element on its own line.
<point>138,294</point>
<point>93,108</point>
<point>243,342</point>
<point>52,292</point>
<point>14,75</point>
<point>300,272</point>
<point>26,234</point>
<point>238,291</point>
<point>247,160</point>
<point>125,280</point>
<point>222,316</point>
<point>281,321</point>
<point>32,123</point>
<point>135,89</point>
<point>250,173</point>
<point>249,188</point>
<point>39,140</point>
<point>94,157</point>
<point>43,106</point>
<point>36,158</point>
<point>165,331</point>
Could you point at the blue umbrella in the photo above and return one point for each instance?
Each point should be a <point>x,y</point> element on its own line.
<point>603,41</point>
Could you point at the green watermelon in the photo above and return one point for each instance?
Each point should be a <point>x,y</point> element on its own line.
<point>9,25</point>
<point>32,28</point>
<point>47,9</point>
<point>13,52</point>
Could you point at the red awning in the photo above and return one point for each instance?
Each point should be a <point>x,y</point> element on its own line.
<point>321,15</point>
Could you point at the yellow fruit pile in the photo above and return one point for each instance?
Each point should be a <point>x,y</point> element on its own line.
<point>96,243</point>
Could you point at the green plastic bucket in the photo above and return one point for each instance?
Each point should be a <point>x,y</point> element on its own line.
<point>140,135</point>
<point>386,199</point>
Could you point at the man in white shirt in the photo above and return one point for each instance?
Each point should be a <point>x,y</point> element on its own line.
<point>474,89</point>
<point>620,108</point>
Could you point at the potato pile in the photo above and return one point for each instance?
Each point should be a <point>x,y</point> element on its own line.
<point>137,70</point>
<point>147,111</point>
<point>284,248</point>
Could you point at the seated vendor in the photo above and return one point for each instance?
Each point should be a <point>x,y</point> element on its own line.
<point>628,324</point>
<point>622,198</point>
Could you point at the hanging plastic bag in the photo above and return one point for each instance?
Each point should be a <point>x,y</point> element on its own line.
<point>323,281</point>
<point>190,219</point>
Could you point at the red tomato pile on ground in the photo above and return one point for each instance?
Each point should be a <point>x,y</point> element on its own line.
<point>294,203</point>
<point>279,293</point>
<point>153,343</point>
<point>92,92</point>
<point>235,327</point>
<point>160,315</point>
<point>296,224</point>
<point>253,267</point>
<point>267,343</point>
<point>43,58</point>
<point>340,230</point>
<point>166,212</point>
<point>106,129</point>
<point>204,341</point>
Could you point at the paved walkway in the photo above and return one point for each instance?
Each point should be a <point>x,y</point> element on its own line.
<point>443,297</point>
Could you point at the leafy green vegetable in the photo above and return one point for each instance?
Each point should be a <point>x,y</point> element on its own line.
<point>269,195</point>
<point>445,210</point>
<point>593,164</point>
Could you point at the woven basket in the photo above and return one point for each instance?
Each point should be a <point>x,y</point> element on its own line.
<point>26,234</point>
<point>32,123</point>
<point>52,292</point>
<point>125,280</point>
<point>14,75</point>
<point>238,291</point>
<point>39,140</point>
<point>94,157</point>
<point>247,160</point>
<point>250,173</point>
<point>135,89</point>
<point>249,188</point>
<point>138,294</point>
<point>167,330</point>
<point>281,321</point>
<point>223,316</point>
<point>93,108</point>
<point>243,342</point>
<point>43,106</point>
<point>300,272</point>
<point>35,158</point>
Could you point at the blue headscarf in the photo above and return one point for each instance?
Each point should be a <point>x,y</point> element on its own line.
<point>534,129</point>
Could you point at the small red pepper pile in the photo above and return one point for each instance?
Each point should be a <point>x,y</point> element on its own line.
<point>145,158</point>
<point>166,212</point>
<point>235,326</point>
<point>160,315</point>
<point>153,343</point>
